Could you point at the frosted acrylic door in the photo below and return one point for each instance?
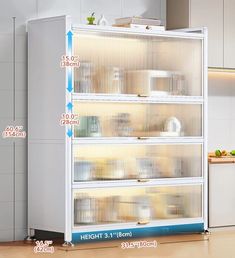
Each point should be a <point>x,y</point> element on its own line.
<point>140,65</point>
<point>106,119</point>
<point>141,162</point>
<point>140,205</point>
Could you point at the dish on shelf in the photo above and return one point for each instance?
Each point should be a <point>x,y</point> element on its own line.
<point>136,168</point>
<point>155,82</point>
<point>83,78</point>
<point>83,170</point>
<point>89,126</point>
<point>109,79</point>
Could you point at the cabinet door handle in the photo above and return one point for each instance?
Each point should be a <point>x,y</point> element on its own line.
<point>143,222</point>
<point>143,180</point>
<point>142,138</point>
<point>142,95</point>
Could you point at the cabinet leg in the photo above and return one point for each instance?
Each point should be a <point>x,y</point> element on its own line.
<point>68,244</point>
<point>31,235</point>
<point>206,232</point>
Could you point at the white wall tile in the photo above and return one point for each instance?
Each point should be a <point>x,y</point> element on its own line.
<point>6,76</point>
<point>20,187</point>
<point>6,104</point>
<point>6,215</point>
<point>6,48</point>
<point>219,134</point>
<point>109,18</point>
<point>21,141</point>
<point>6,188</point>
<point>218,87</point>
<point>20,234</point>
<point>21,76</point>
<point>21,48</point>
<point>60,7</point>
<point>23,9</point>
<point>219,107</point>
<point>6,159</point>
<point>21,121</point>
<point>75,11</point>
<point>21,25</point>
<point>6,25</point>
<point>20,215</point>
<point>53,8</point>
<point>101,7</point>
<point>163,11</point>
<point>6,235</point>
<point>220,111</point>
<point>232,135</point>
<point>9,141</point>
<point>232,85</point>
<point>145,8</point>
<point>21,158</point>
<point>21,104</point>
<point>3,123</point>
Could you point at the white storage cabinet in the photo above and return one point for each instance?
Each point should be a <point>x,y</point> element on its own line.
<point>137,162</point>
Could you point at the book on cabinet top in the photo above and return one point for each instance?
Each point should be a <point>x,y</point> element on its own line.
<point>138,20</point>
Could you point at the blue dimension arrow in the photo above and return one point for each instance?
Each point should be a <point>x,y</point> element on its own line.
<point>69,133</point>
<point>69,106</point>
<point>70,41</point>
<point>70,84</point>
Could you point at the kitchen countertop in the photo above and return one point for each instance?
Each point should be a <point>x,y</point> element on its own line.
<point>221,160</point>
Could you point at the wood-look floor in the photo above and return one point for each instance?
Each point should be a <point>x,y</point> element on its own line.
<point>217,245</point>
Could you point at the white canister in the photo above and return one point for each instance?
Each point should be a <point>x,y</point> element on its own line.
<point>84,210</point>
<point>173,125</point>
<point>143,208</point>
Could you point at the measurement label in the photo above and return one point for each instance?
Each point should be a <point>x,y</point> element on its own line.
<point>69,61</point>
<point>69,119</point>
<point>139,244</point>
<point>117,234</point>
<point>44,247</point>
<point>106,235</point>
<point>14,132</point>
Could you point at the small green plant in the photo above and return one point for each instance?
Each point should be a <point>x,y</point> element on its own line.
<point>218,153</point>
<point>91,19</point>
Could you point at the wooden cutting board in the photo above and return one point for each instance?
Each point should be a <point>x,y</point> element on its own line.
<point>220,160</point>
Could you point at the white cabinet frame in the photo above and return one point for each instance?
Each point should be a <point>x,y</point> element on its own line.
<point>50,185</point>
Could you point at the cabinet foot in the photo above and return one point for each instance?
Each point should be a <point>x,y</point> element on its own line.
<point>29,239</point>
<point>31,235</point>
<point>206,232</point>
<point>68,244</point>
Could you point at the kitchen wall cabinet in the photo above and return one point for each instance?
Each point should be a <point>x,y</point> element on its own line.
<point>217,16</point>
<point>229,33</point>
<point>221,195</point>
<point>209,13</point>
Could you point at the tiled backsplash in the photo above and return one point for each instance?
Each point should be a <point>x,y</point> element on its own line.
<point>221,131</point>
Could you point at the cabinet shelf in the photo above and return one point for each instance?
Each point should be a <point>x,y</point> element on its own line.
<point>131,98</point>
<point>135,140</point>
<point>94,30</point>
<point>131,182</point>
